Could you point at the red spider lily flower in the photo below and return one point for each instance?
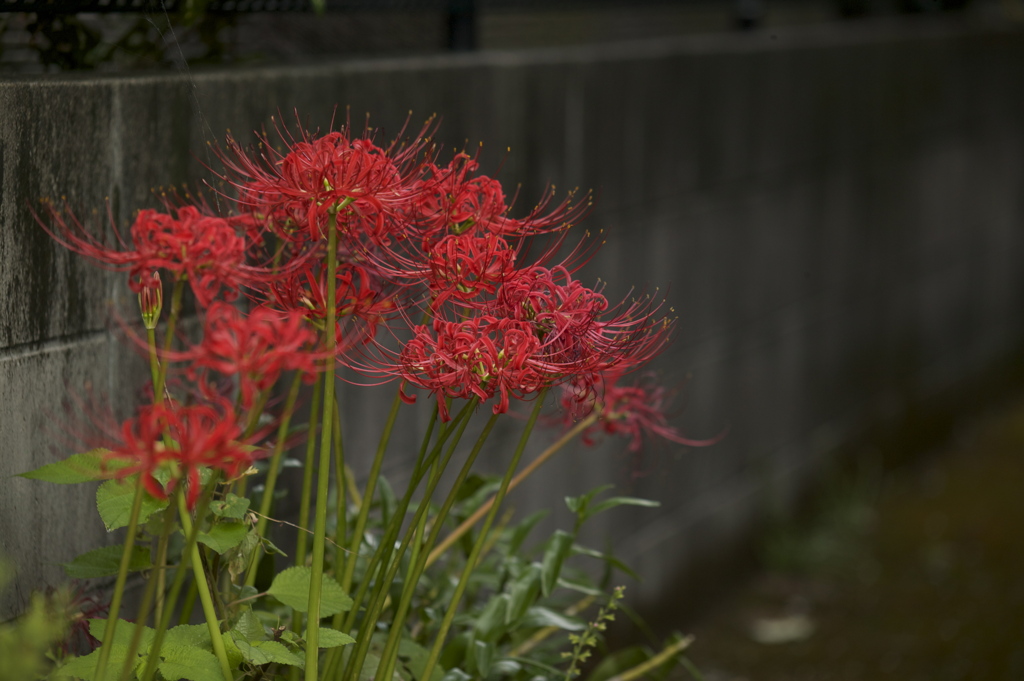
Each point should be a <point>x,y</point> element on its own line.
<point>581,335</point>
<point>359,296</point>
<point>480,357</point>
<point>181,441</point>
<point>201,248</point>
<point>317,176</point>
<point>462,268</point>
<point>633,410</point>
<point>256,347</point>
<point>449,201</point>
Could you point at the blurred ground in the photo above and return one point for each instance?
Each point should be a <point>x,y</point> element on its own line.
<point>916,575</point>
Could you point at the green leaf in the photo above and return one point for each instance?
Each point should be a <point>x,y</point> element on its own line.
<point>189,635</point>
<point>84,668</point>
<point>523,593</point>
<point>332,638</point>
<point>580,504</point>
<point>523,529</point>
<point>414,658</point>
<point>249,627</point>
<point>483,653</point>
<point>223,536</point>
<point>266,652</point>
<point>490,624</point>
<point>579,587</point>
<point>232,506</point>
<point>622,501</point>
<point>558,549</point>
<point>106,561</point>
<point>194,664</point>
<point>122,633</point>
<point>606,557</point>
<point>538,617</point>
<point>291,587</point>
<point>240,556</point>
<point>81,467</point>
<point>114,502</point>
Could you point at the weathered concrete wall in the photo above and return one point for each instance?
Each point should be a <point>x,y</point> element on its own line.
<point>838,212</point>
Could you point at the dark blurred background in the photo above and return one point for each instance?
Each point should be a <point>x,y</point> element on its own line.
<point>120,34</point>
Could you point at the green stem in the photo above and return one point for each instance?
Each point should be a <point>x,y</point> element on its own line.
<point>172,322</point>
<point>307,477</point>
<point>179,581</point>
<point>364,508</point>
<point>391,565</point>
<point>272,473</point>
<point>340,521</point>
<point>661,658</point>
<point>471,561</point>
<point>386,543</point>
<point>418,561</point>
<point>154,363</point>
<point>153,584</point>
<point>324,469</point>
<point>122,577</point>
<point>205,597</point>
<point>473,519</point>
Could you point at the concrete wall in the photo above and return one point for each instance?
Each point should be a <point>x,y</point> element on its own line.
<point>838,213</point>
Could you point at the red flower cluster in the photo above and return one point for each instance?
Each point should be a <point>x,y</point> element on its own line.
<point>414,241</point>
<point>255,347</point>
<point>632,410</point>
<point>203,249</point>
<point>180,441</point>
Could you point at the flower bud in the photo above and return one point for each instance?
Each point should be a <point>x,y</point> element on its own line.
<point>151,300</point>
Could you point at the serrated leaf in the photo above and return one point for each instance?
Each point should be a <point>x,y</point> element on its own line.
<point>332,638</point>
<point>538,617</point>
<point>189,635</point>
<point>123,632</point>
<point>106,561</point>
<point>267,652</point>
<point>249,627</point>
<point>558,549</point>
<point>291,587</point>
<point>223,536</point>
<point>114,502</point>
<point>194,664</point>
<point>84,668</point>
<point>81,467</point>
<point>231,506</point>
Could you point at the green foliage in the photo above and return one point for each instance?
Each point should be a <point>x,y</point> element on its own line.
<point>291,587</point>
<point>105,561</point>
<point>332,638</point>
<point>584,642</point>
<point>114,502</point>
<point>81,467</point>
<point>224,536</point>
<point>231,506</point>
<point>24,642</point>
